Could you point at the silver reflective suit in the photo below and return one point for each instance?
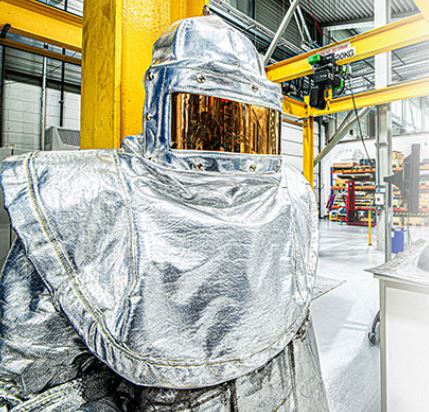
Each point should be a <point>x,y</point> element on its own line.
<point>155,279</point>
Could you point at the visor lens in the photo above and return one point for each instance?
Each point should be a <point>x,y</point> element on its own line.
<point>213,124</point>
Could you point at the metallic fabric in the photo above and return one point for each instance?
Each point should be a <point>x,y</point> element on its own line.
<point>173,278</point>
<point>187,273</point>
<point>44,365</point>
<point>46,368</point>
<point>204,56</point>
<point>411,265</point>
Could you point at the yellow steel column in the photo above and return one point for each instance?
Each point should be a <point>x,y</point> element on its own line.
<point>308,165</point>
<point>370,227</point>
<point>118,36</point>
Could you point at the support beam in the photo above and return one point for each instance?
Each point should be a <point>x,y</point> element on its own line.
<point>383,77</point>
<point>283,26</point>
<point>117,50</point>
<point>38,50</point>
<point>399,91</point>
<point>38,21</point>
<point>405,32</point>
<point>295,108</point>
<point>308,159</point>
<point>340,134</point>
<point>294,122</point>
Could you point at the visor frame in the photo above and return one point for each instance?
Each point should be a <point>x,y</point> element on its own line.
<point>173,109</point>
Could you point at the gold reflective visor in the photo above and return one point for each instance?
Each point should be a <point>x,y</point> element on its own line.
<point>213,124</point>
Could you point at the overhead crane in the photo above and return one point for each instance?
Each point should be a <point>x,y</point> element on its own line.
<point>404,32</point>
<point>124,32</point>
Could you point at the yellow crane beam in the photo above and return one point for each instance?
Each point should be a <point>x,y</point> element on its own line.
<point>404,32</point>
<point>38,21</point>
<point>398,91</point>
<point>118,36</point>
<point>295,108</point>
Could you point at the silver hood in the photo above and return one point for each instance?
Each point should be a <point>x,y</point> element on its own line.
<point>206,56</point>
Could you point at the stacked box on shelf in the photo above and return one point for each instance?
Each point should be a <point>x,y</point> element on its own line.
<point>338,200</point>
<point>355,185</point>
<point>400,211</point>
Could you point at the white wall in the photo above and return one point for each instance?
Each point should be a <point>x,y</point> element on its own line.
<point>292,148</point>
<point>22,106</point>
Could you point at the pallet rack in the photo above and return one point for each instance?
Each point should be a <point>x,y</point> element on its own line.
<point>400,213</point>
<point>355,185</point>
<point>349,199</point>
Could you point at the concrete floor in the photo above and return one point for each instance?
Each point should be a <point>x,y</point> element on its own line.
<point>342,319</point>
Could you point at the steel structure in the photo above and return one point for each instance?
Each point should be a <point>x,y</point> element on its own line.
<point>38,21</point>
<point>423,5</point>
<point>398,91</point>
<point>40,51</point>
<point>401,33</point>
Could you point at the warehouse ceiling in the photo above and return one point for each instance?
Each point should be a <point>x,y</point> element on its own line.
<point>328,12</point>
<point>259,19</point>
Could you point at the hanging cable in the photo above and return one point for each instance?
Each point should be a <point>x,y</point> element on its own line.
<point>370,162</point>
<point>321,32</point>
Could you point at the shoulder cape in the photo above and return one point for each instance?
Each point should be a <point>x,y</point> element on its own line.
<point>177,279</point>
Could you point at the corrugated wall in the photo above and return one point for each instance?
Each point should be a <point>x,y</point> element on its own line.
<point>21,109</point>
<point>22,113</point>
<point>271,12</point>
<point>292,149</point>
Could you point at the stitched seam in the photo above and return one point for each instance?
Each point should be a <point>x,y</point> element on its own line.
<point>49,396</point>
<point>51,240</point>
<point>132,241</point>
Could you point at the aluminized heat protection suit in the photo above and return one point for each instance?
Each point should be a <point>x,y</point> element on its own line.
<point>173,274</point>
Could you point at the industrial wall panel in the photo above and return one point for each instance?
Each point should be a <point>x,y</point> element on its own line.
<point>292,148</point>
<point>22,113</point>
<point>72,111</point>
<point>16,103</point>
<point>21,100</point>
<point>21,116</point>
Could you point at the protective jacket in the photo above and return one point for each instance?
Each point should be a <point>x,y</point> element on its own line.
<point>151,278</point>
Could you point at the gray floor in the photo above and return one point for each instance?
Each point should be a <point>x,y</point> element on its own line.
<point>343,317</point>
